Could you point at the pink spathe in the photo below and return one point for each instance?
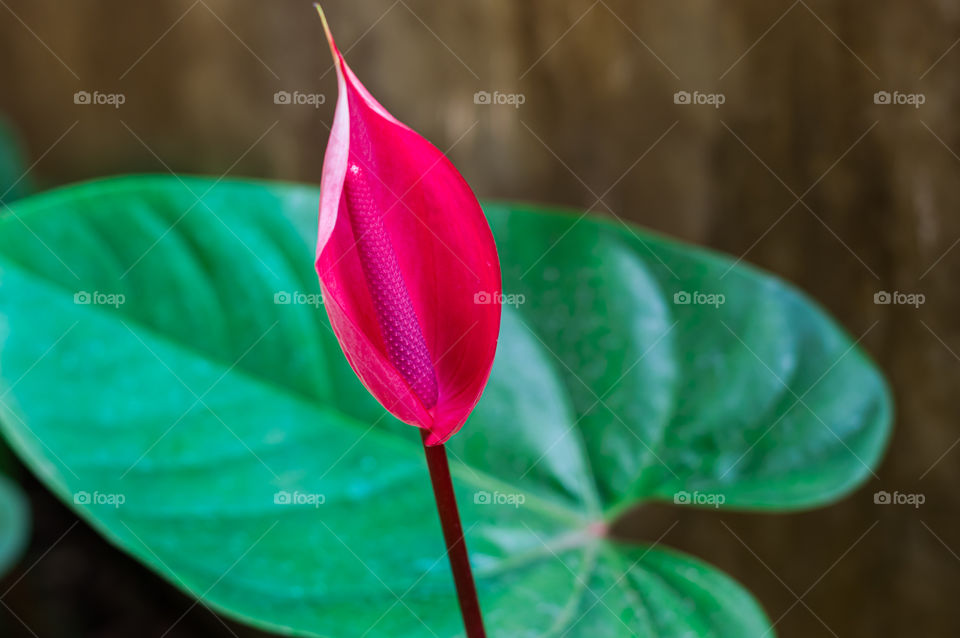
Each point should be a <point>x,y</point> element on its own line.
<point>406,262</point>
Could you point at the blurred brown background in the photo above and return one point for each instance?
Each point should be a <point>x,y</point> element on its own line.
<point>799,171</point>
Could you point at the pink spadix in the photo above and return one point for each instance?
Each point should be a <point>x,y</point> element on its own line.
<point>407,265</point>
<point>406,347</point>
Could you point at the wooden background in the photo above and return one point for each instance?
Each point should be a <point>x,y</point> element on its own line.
<point>878,211</point>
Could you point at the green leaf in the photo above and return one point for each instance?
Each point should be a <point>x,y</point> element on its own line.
<point>182,407</point>
<point>14,183</point>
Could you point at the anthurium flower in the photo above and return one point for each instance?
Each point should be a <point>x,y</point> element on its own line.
<point>407,265</point>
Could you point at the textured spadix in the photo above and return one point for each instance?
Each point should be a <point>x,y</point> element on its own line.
<point>407,265</point>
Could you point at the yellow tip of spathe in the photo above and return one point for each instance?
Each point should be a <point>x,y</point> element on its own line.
<point>326,30</point>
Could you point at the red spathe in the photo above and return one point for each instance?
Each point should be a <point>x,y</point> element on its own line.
<point>407,265</point>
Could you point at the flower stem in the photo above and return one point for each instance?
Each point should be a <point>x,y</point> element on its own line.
<point>453,535</point>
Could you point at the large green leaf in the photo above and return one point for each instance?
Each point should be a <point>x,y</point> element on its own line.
<point>175,417</point>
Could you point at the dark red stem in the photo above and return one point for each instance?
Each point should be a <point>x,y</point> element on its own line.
<point>453,535</point>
